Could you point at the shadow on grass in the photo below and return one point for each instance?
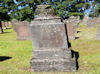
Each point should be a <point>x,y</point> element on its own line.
<point>74,55</point>
<point>3,58</point>
<point>78,31</point>
<point>76,38</point>
<point>5,32</point>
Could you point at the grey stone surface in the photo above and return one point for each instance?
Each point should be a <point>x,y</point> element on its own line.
<point>51,51</point>
<point>53,65</point>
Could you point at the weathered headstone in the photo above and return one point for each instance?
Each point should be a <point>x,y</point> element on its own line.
<point>98,31</point>
<point>22,29</point>
<point>49,38</point>
<point>72,24</point>
<point>98,20</point>
<point>85,20</point>
<point>70,30</point>
<point>91,23</point>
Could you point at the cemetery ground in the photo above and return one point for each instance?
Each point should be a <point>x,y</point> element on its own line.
<point>15,54</point>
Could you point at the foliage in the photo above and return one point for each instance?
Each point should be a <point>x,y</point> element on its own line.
<point>25,9</point>
<point>96,9</point>
<point>5,7</point>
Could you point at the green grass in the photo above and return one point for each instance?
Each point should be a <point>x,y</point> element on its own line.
<point>21,53</point>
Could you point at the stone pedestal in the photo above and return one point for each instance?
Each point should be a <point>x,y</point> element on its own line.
<point>22,29</point>
<point>51,52</point>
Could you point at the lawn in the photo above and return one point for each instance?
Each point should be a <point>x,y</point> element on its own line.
<point>15,55</point>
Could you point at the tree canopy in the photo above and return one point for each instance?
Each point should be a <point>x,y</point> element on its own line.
<point>25,9</point>
<point>95,12</point>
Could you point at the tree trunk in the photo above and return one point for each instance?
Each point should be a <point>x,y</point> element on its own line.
<point>1,29</point>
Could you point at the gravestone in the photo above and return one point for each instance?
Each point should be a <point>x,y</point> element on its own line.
<point>85,20</point>
<point>49,38</point>
<point>70,30</point>
<point>72,24</point>
<point>98,33</point>
<point>3,24</point>
<point>91,23</point>
<point>98,20</point>
<point>22,29</point>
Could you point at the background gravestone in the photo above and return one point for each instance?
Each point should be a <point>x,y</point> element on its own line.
<point>3,25</point>
<point>98,20</point>
<point>70,30</point>
<point>85,20</point>
<point>49,38</point>
<point>98,33</point>
<point>22,29</point>
<point>91,23</point>
<point>72,24</point>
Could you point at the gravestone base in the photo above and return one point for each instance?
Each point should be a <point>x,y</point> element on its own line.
<point>57,65</point>
<point>53,60</point>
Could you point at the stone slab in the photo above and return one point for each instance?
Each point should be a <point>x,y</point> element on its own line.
<point>48,34</point>
<point>52,53</point>
<point>53,65</point>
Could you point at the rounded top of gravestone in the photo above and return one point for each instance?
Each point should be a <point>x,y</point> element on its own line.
<point>45,10</point>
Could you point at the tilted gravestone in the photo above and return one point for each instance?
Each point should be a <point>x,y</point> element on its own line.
<point>49,38</point>
<point>22,29</point>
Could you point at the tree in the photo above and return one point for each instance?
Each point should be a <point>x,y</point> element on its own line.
<point>1,30</point>
<point>5,7</point>
<point>25,9</point>
<point>96,9</point>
